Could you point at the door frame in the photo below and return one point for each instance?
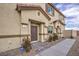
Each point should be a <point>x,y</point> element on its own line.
<point>37,32</point>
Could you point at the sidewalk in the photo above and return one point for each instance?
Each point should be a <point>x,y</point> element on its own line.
<point>74,51</point>
<point>60,49</point>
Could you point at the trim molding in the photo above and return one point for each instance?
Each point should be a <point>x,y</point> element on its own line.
<point>24,23</point>
<point>37,22</point>
<point>11,36</point>
<point>43,33</point>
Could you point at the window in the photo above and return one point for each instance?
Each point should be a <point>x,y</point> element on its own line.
<point>49,10</point>
<point>50,28</point>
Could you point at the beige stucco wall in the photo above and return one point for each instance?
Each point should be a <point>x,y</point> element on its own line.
<point>62,30</point>
<point>9,25</point>
<point>62,18</point>
<point>9,43</point>
<point>33,14</point>
<point>9,19</point>
<point>74,33</point>
<point>67,33</point>
<point>56,14</point>
<point>62,26</point>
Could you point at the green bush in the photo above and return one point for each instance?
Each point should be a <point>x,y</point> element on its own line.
<point>50,39</point>
<point>27,44</point>
<point>71,37</point>
<point>55,36</point>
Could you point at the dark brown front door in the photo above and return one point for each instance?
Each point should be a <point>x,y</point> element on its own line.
<point>33,33</point>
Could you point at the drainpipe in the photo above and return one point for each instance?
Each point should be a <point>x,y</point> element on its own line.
<point>20,29</point>
<point>71,34</point>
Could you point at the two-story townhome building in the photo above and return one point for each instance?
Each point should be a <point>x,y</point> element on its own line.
<point>34,21</point>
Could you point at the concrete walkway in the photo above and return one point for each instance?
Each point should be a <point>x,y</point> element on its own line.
<point>60,49</point>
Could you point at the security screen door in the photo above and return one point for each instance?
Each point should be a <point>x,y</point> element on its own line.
<point>33,33</point>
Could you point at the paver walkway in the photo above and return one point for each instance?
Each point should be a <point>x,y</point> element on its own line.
<point>60,49</point>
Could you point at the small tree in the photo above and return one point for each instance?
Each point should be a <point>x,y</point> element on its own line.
<point>27,44</point>
<point>55,36</point>
<point>50,39</point>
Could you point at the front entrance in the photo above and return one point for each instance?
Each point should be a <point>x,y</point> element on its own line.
<point>33,33</point>
<point>58,31</point>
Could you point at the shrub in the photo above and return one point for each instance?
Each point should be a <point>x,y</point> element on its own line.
<point>71,37</point>
<point>50,39</point>
<point>27,44</point>
<point>55,36</point>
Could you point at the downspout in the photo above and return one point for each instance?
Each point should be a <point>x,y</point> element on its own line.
<point>71,34</point>
<point>20,29</point>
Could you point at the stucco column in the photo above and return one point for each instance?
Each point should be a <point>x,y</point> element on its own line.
<point>29,30</point>
<point>42,32</point>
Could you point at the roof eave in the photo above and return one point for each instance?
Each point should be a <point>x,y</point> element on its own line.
<point>19,8</point>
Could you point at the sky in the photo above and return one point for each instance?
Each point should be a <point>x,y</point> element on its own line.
<point>71,11</point>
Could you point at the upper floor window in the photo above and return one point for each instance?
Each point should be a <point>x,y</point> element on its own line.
<point>50,10</point>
